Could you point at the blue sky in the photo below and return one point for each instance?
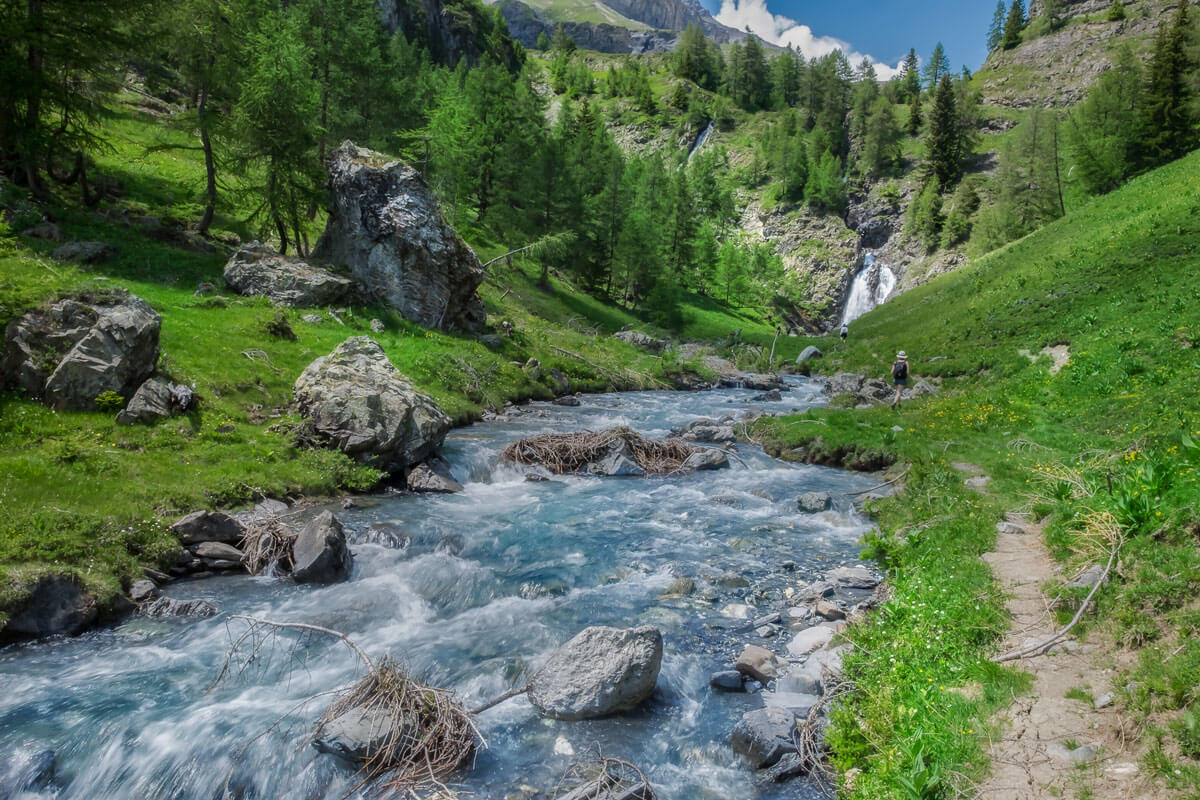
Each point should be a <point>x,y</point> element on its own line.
<point>884,30</point>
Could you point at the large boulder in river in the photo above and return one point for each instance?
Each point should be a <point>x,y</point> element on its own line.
<point>362,405</point>
<point>320,553</point>
<point>385,227</point>
<point>71,352</point>
<point>256,269</point>
<point>599,672</point>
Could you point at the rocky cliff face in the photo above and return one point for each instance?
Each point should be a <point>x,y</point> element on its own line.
<point>1056,70</point>
<point>664,20</point>
<point>453,30</point>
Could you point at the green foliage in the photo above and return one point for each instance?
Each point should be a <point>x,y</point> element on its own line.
<point>925,218</point>
<point>1116,11</point>
<point>1168,121</point>
<point>543,42</point>
<point>1028,183</point>
<point>826,189</point>
<point>937,66</point>
<point>947,141</point>
<point>995,34</point>
<point>1101,131</point>
<point>1013,25</point>
<point>960,214</point>
<point>109,402</point>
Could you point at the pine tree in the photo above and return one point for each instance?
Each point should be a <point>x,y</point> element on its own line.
<point>1013,25</point>
<point>938,66</point>
<point>913,127</point>
<point>1116,11</point>
<point>995,33</point>
<point>785,79</point>
<point>276,126</point>
<point>826,190</point>
<point>1027,185</point>
<point>1101,132</point>
<point>945,142</point>
<point>963,205</point>
<point>562,41</point>
<point>924,222</point>
<point>1167,121</point>
<point>910,76</point>
<point>881,140</point>
<point>543,42</point>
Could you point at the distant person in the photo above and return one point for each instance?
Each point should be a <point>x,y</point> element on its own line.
<point>845,331</point>
<point>899,376</point>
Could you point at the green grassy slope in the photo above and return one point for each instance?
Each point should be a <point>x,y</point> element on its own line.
<point>1109,443</point>
<point>79,493</point>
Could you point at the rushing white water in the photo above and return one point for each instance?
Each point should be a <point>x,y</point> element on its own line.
<point>472,591</point>
<point>701,140</point>
<point>871,286</point>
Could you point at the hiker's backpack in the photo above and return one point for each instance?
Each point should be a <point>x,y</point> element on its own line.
<point>900,371</point>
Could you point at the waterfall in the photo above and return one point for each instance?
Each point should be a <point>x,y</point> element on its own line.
<point>701,140</point>
<point>871,286</point>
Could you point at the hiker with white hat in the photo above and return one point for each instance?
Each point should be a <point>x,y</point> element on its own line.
<point>899,376</point>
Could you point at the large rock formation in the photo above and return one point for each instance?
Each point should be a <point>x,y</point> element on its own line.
<point>73,351</point>
<point>599,672</point>
<point>386,229</point>
<point>256,269</point>
<point>56,604</point>
<point>362,405</point>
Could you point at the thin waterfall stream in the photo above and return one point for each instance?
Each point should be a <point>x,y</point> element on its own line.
<point>472,591</point>
<point>871,286</point>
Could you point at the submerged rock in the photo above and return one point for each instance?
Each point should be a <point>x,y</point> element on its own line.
<point>362,405</point>
<point>764,735</point>
<point>706,458</point>
<point>814,502</point>
<point>170,607</point>
<point>386,228</point>
<point>432,476</point>
<point>600,671</point>
<point>360,733</point>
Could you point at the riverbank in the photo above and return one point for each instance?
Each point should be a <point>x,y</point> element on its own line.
<point>1070,388</point>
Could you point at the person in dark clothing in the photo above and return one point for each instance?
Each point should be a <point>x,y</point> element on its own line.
<point>845,331</point>
<point>899,376</point>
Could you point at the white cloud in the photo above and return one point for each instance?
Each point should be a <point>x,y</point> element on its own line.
<point>783,31</point>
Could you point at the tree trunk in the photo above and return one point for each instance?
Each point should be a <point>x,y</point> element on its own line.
<point>210,167</point>
<point>35,59</point>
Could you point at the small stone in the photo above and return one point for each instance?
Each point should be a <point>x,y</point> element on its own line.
<point>731,580</point>
<point>562,747</point>
<point>809,640</point>
<point>1088,578</point>
<point>312,319</point>
<point>1009,528</point>
<point>788,766</point>
<point>767,631</point>
<point>978,482</point>
<point>769,619</point>
<point>854,577</point>
<point>800,681</point>
<point>897,429</point>
<point>759,663</point>
<point>728,680</point>
<point>141,590</point>
<point>567,400</point>
<point>829,610</point>
<point>737,611</point>
<point>217,551</point>
<point>1122,770</point>
<point>798,703</point>
<point>1083,754</point>
<point>377,326</point>
<point>1104,701</point>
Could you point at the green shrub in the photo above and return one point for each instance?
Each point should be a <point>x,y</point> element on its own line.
<point>109,402</point>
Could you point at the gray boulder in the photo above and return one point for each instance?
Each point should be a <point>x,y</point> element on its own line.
<point>853,577</point>
<point>386,228</point>
<point>46,231</point>
<point>641,340</point>
<point>709,434</point>
<point>256,269</point>
<point>814,502</point>
<point>320,553</point>
<point>216,551</point>
<point>764,735</point>
<point>56,605</point>
<point>808,353</point>
<point>759,663</point>
<point>921,388</point>
<point>618,461</point>
<point>432,476</point>
<point>599,672</point>
<point>706,458</point>
<point>360,733</point>
<point>142,590</point>
<point>568,400</point>
<point>84,252</point>
<point>208,526</point>
<point>772,396</point>
<point>362,405</point>
<point>875,390</point>
<point>728,680</point>
<point>156,399</point>
<point>845,383</point>
<point>70,353</point>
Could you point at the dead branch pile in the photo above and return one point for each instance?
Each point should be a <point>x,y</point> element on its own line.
<point>430,734</point>
<point>606,779</point>
<point>267,547</point>
<point>572,452</point>
<point>809,736</point>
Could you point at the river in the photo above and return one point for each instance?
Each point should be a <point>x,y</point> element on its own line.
<point>469,590</point>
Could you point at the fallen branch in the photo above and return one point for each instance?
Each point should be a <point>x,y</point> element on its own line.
<point>302,626</point>
<point>511,693</point>
<point>1046,644</point>
<point>880,486</point>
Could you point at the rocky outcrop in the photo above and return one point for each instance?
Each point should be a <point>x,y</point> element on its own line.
<point>1056,70</point>
<point>72,352</point>
<point>257,270</point>
<point>451,31</point>
<point>55,605</point>
<point>639,339</point>
<point>362,405</point>
<point>386,229</point>
<point>600,671</point>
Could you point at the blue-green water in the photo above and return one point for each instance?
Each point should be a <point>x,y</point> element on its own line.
<point>469,590</point>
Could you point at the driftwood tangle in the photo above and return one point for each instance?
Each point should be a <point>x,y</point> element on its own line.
<point>572,452</point>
